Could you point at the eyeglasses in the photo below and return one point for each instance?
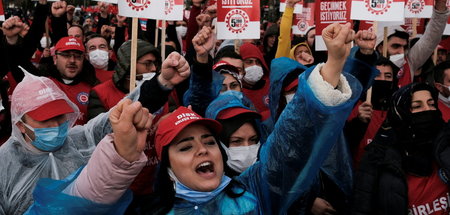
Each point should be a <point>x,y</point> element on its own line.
<point>148,64</point>
<point>66,55</point>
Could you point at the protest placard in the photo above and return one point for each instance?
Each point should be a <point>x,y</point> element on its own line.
<point>418,8</point>
<point>174,10</point>
<point>238,19</point>
<point>2,12</point>
<point>326,13</point>
<point>301,23</point>
<point>419,26</point>
<point>297,9</point>
<point>150,9</point>
<point>378,10</point>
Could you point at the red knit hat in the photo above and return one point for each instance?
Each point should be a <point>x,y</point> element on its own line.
<point>171,126</point>
<point>248,50</point>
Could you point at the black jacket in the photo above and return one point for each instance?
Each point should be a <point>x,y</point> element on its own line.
<point>380,183</point>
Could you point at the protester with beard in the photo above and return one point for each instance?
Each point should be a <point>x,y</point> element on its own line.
<point>405,169</point>
<point>367,116</point>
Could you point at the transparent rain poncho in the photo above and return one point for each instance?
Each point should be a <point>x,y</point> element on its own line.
<point>23,165</point>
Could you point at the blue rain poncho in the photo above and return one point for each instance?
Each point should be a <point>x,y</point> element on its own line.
<point>23,165</point>
<point>290,159</point>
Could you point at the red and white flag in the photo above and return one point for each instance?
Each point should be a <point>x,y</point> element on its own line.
<point>328,12</point>
<point>238,19</point>
<point>301,23</point>
<point>2,12</point>
<point>366,25</point>
<point>174,10</point>
<point>108,1</point>
<point>378,10</point>
<point>419,8</point>
<point>297,9</point>
<point>150,9</point>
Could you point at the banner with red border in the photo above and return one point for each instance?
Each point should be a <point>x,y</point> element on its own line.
<point>328,12</point>
<point>419,8</point>
<point>238,19</point>
<point>2,12</point>
<point>150,9</point>
<point>297,9</point>
<point>378,10</point>
<point>301,23</point>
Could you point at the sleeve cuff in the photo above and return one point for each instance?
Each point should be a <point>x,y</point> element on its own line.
<point>325,92</point>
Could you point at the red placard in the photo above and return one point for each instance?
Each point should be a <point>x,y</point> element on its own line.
<point>238,19</point>
<point>2,12</point>
<point>301,23</point>
<point>328,12</point>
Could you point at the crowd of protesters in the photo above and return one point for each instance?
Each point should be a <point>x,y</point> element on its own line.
<point>261,126</point>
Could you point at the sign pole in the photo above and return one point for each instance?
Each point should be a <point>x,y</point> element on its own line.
<point>134,31</point>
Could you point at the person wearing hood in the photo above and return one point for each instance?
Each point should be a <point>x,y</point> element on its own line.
<point>255,81</point>
<point>411,60</point>
<point>405,170</point>
<point>208,81</point>
<point>43,143</point>
<point>106,95</point>
<point>441,80</point>
<point>240,133</point>
<point>301,51</point>
<point>191,175</point>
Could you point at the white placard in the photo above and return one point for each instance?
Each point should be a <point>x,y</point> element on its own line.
<point>150,9</point>
<point>377,10</point>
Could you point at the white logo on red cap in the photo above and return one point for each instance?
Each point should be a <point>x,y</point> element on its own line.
<point>185,117</point>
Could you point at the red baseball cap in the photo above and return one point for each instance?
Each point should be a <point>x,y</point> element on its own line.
<point>50,110</point>
<point>234,111</point>
<point>171,126</point>
<point>69,43</point>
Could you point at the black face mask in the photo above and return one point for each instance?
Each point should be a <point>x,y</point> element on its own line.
<point>381,93</point>
<point>426,125</point>
<point>417,141</point>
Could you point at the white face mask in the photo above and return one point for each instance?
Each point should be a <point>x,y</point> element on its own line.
<point>99,58</point>
<point>181,30</point>
<point>289,97</point>
<point>241,157</point>
<point>398,59</point>
<point>111,43</point>
<point>253,74</point>
<point>44,42</point>
<point>145,77</point>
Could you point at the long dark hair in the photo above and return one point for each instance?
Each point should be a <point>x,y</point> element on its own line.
<point>163,198</point>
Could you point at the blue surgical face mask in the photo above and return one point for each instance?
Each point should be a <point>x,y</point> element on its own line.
<point>49,139</point>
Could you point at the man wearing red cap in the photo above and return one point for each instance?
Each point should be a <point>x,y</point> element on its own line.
<point>43,143</point>
<point>72,74</point>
